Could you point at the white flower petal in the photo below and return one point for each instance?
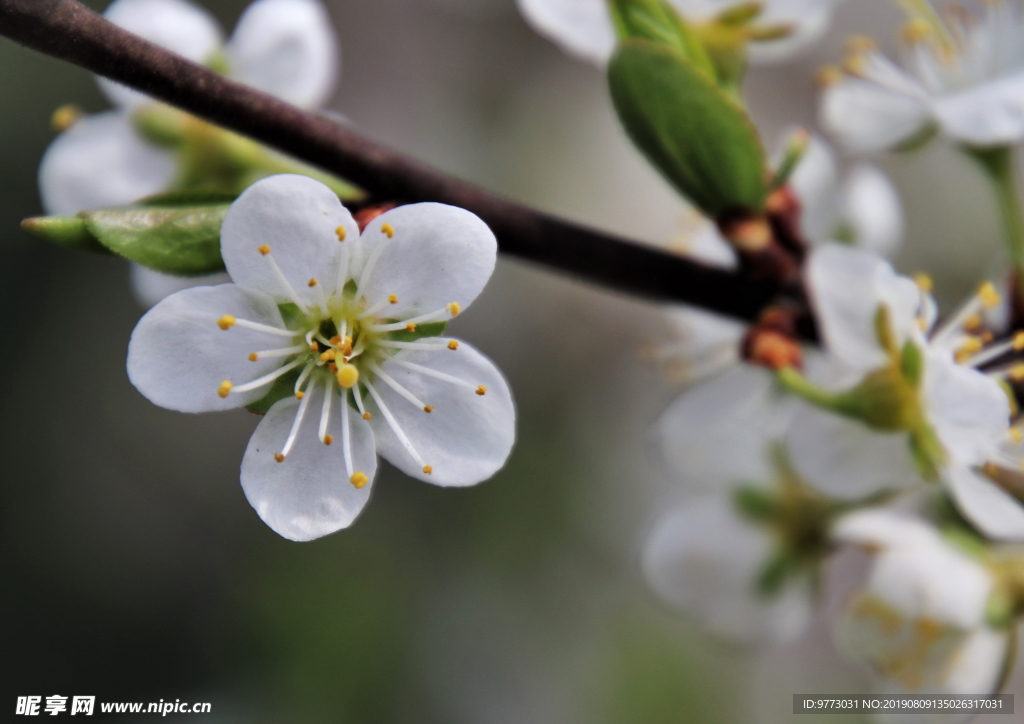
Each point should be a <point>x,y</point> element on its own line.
<point>297,218</point>
<point>438,254</point>
<point>177,25</point>
<point>286,48</point>
<point>308,495</point>
<point>978,666</point>
<point>846,459</point>
<point>995,512</point>
<point>101,161</point>
<point>718,434</point>
<point>874,528</point>
<point>990,114</point>
<point>870,205</point>
<point>969,410</point>
<point>809,19</point>
<point>178,356</point>
<point>864,117</point>
<point>705,560</point>
<point>847,286</point>
<point>936,582</point>
<point>467,437</point>
<point>815,181</point>
<point>581,27</point>
<point>149,287</point>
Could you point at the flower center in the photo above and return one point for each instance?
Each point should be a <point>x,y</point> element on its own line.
<point>340,341</point>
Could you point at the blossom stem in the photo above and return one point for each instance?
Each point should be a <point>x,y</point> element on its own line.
<point>794,382</point>
<point>997,162</point>
<point>68,30</point>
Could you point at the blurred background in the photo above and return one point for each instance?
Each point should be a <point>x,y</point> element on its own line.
<point>132,567</point>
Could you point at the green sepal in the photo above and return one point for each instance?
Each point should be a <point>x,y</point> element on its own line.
<point>182,240</point>
<point>775,573</point>
<point>657,21</point>
<point>67,231</point>
<point>284,386</point>
<point>432,329</point>
<point>756,504</point>
<point>700,139</point>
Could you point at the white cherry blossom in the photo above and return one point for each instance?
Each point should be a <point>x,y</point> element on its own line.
<point>895,404</point>
<point>920,619</point>
<point>314,298</point>
<point>584,27</point>
<point>961,74</point>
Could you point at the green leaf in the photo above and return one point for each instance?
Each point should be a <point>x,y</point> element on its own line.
<point>68,231</point>
<point>700,139</point>
<point>432,329</point>
<point>284,386</point>
<point>657,21</point>
<point>182,240</point>
<point>187,197</point>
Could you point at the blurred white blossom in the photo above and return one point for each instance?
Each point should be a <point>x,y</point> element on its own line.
<point>283,47</point>
<point>584,27</point>
<point>962,74</point>
<point>314,298</point>
<point>891,405</point>
<point>920,619</point>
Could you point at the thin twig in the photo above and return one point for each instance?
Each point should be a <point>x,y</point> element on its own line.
<point>67,30</point>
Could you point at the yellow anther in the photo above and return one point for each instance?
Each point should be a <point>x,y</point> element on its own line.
<point>411,327</point>
<point>253,357</point>
<point>348,376</point>
<point>990,469</point>
<point>427,469</point>
<point>481,390</point>
<point>300,394</point>
<point>924,282</point>
<point>968,348</point>
<point>1016,435</point>
<point>264,250</point>
<point>328,355</point>
<point>314,347</point>
<point>358,480</point>
<point>855,65</point>
<point>986,337</point>
<point>348,347</point>
<point>226,322</point>
<point>393,299</point>
<point>224,389</point>
<point>973,323</point>
<point>859,44</point>
<point>989,296</point>
<point>388,229</point>
<point>328,439</point>
<point>65,117</point>
<point>333,368</point>
<point>1017,372</point>
<point>1018,341</point>
<point>454,308</point>
<point>312,282</point>
<point>341,232</point>
<point>829,76</point>
<point>279,457</point>
<point>367,416</point>
<point>917,31</point>
<point>335,340</point>
<point>428,409</point>
<point>453,345</point>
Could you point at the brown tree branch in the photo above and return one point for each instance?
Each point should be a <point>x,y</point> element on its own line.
<point>67,30</point>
